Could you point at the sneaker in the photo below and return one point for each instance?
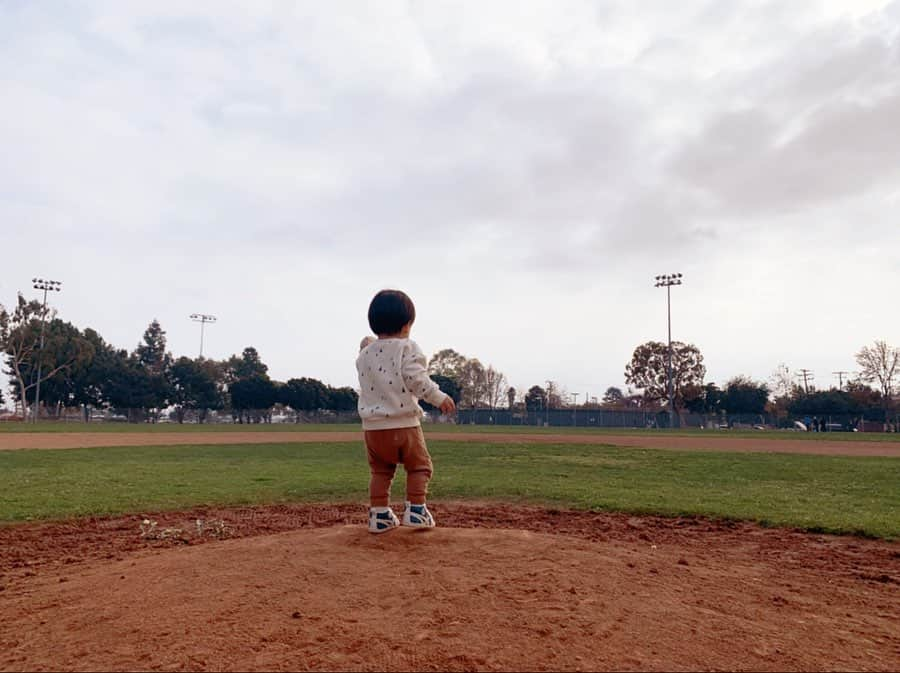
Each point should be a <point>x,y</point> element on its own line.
<point>382,519</point>
<point>417,516</point>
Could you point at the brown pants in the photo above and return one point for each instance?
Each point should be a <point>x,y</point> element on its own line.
<point>387,448</point>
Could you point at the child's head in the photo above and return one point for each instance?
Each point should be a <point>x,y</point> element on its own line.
<point>390,311</point>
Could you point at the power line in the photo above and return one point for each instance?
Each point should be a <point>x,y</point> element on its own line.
<point>840,375</point>
<point>807,376</point>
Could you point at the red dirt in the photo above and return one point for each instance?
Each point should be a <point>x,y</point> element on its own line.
<point>716,442</point>
<point>494,588</point>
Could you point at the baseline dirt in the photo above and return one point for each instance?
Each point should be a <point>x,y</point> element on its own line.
<point>73,440</point>
<point>494,588</point>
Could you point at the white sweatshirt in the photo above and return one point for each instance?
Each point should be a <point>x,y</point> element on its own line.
<point>392,379</point>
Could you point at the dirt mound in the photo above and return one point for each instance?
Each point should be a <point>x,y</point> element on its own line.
<point>617,592</point>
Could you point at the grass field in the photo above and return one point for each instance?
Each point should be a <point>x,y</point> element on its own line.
<point>50,426</point>
<point>822,493</point>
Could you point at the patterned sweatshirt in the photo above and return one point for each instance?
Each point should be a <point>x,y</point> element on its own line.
<point>392,379</point>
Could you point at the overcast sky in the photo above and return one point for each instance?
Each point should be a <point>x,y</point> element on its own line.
<point>521,169</point>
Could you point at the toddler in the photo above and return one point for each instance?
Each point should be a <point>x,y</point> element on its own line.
<point>392,379</point>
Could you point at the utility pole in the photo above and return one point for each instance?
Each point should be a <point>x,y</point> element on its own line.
<point>202,319</point>
<point>841,375</point>
<point>807,376</point>
<point>45,285</point>
<point>667,281</point>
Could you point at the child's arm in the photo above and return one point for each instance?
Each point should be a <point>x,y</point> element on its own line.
<point>415,376</point>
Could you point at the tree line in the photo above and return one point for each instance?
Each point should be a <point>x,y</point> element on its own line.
<point>76,368</point>
<point>80,369</point>
<point>782,397</point>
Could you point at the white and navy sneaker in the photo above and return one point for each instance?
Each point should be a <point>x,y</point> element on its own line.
<point>417,516</point>
<point>382,519</point>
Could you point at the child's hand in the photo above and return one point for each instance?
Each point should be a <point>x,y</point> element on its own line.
<point>448,406</point>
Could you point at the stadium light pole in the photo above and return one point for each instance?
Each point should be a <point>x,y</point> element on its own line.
<point>575,409</point>
<point>549,389</point>
<point>46,286</point>
<point>202,318</point>
<point>667,281</point>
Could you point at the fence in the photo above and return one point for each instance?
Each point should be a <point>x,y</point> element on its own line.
<point>605,418</point>
<point>871,421</point>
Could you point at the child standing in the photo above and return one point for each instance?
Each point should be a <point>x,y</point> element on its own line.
<point>392,379</point>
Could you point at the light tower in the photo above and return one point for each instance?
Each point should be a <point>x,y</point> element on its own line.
<point>575,409</point>
<point>202,318</point>
<point>667,281</point>
<point>46,286</point>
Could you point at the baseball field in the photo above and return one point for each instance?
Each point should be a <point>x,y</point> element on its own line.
<point>245,548</point>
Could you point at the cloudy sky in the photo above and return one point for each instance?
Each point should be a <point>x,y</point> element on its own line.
<point>521,169</point>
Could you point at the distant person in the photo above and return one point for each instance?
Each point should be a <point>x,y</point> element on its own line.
<point>392,379</point>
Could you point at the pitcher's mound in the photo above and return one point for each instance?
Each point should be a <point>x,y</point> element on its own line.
<point>444,599</point>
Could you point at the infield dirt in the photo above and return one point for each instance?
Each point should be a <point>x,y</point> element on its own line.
<point>494,588</point>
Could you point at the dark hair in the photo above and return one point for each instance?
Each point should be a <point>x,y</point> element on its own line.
<point>389,311</point>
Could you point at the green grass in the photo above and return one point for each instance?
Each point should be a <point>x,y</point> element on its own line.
<point>52,427</point>
<point>823,493</point>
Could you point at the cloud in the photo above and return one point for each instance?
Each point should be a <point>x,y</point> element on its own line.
<point>816,126</point>
<point>517,163</point>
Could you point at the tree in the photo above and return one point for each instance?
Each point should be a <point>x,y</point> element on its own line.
<point>825,403</point>
<point>92,385</point>
<point>63,342</point>
<point>880,363</point>
<point>342,399</point>
<point>87,380</point>
<point>447,385</point>
<point>128,387</point>
<point>536,399</point>
<point>707,400</point>
<point>781,383</point>
<point>252,398</point>
<point>151,356</point>
<point>247,366</point>
<point>613,397</point>
<point>511,397</point>
<point>194,387</point>
<point>494,387</point>
<point>555,395</point>
<point>866,401</point>
<point>20,341</point>
<point>472,384</point>
<point>745,396</point>
<point>648,367</point>
<point>151,352</point>
<point>478,386</point>
<point>447,362</point>
<point>305,394</point>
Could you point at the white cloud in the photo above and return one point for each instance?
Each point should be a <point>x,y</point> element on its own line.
<point>522,169</point>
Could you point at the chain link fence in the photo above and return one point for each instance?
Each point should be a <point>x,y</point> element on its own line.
<point>874,420</point>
